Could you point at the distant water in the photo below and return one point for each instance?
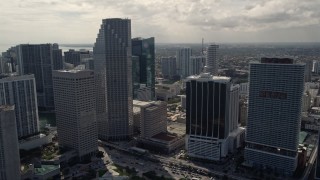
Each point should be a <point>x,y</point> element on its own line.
<point>66,47</point>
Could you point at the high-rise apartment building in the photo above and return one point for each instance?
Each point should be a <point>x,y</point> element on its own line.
<point>38,59</point>
<point>113,75</point>
<point>21,92</point>
<point>9,146</point>
<point>308,71</point>
<point>212,61</point>
<point>76,57</point>
<point>144,49</point>
<point>212,112</point>
<point>168,67</point>
<point>275,95</point>
<point>183,62</point>
<point>196,66</point>
<point>57,57</point>
<point>74,92</point>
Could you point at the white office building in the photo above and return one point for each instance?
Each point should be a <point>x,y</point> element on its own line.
<point>212,61</point>
<point>275,96</point>
<point>183,62</point>
<point>74,93</point>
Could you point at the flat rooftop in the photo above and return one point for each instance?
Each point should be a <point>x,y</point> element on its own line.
<point>302,136</point>
<point>72,70</point>
<point>141,103</point>
<point>177,128</point>
<point>208,77</point>
<point>164,136</point>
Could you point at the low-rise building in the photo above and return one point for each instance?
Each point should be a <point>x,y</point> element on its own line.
<point>165,92</point>
<point>152,120</point>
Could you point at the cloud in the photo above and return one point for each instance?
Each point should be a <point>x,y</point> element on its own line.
<point>76,21</point>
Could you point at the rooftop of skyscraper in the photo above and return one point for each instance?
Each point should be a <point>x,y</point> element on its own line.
<point>208,76</point>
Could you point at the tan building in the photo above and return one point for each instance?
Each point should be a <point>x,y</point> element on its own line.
<point>153,117</point>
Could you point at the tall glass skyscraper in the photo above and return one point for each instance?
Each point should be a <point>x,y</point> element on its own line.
<point>144,49</point>
<point>113,76</point>
<point>38,59</point>
<point>212,111</point>
<point>275,95</point>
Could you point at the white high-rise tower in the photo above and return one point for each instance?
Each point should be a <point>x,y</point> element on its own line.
<point>275,93</point>
<point>113,75</point>
<point>75,110</point>
<point>212,63</point>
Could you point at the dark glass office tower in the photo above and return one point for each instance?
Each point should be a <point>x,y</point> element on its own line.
<point>72,57</point>
<point>38,59</point>
<point>57,57</point>
<point>144,49</point>
<point>211,114</point>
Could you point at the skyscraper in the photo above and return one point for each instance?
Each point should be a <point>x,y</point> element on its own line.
<point>38,59</point>
<point>212,111</point>
<point>9,147</point>
<point>135,75</point>
<point>212,63</point>
<point>144,49</point>
<point>308,71</point>
<point>76,57</point>
<point>196,66</point>
<point>183,62</point>
<point>275,93</point>
<point>113,75</point>
<point>75,110</point>
<point>57,57</point>
<point>168,67</point>
<point>21,92</point>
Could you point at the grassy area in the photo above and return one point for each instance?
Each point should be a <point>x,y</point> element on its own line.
<point>50,151</point>
<point>102,172</point>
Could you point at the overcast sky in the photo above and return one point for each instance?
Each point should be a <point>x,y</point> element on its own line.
<point>169,21</point>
